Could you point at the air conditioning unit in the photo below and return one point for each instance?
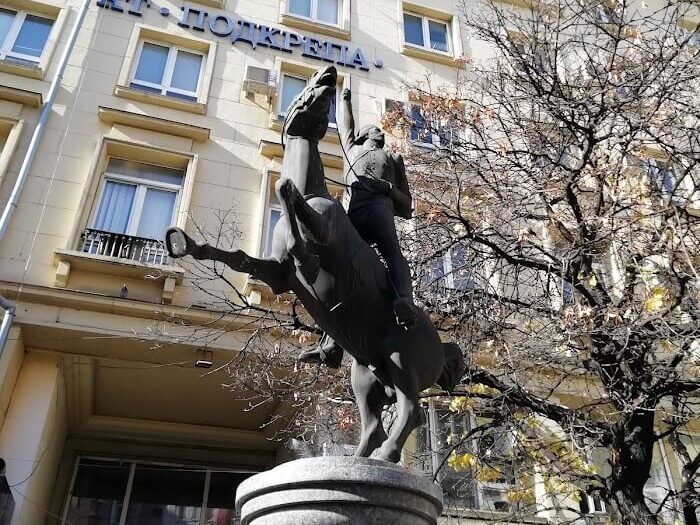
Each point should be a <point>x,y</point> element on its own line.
<point>259,80</point>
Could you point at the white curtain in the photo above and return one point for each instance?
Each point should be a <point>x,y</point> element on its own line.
<point>115,207</point>
<point>157,213</point>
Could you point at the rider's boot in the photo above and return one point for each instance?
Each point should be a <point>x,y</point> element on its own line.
<point>405,312</point>
<point>328,352</point>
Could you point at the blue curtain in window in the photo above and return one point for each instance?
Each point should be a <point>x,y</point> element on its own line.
<point>115,207</point>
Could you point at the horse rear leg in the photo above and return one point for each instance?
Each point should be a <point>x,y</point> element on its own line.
<point>277,274</point>
<point>409,412</point>
<point>371,400</point>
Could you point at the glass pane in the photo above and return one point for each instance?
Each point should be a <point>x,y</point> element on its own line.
<point>331,111</point>
<point>186,72</point>
<point>271,223</point>
<point>157,213</point>
<point>413,29</point>
<point>291,87</point>
<point>148,172</point>
<point>98,492</point>
<point>165,496</point>
<point>33,36</point>
<point>152,63</point>
<point>300,7</point>
<point>419,127</point>
<point>6,19</point>
<point>115,207</point>
<point>327,11</point>
<point>438,36</point>
<point>220,504</point>
<point>462,278</point>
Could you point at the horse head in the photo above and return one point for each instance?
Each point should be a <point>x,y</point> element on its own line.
<point>307,115</point>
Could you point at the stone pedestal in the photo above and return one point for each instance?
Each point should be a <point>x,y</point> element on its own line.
<point>338,491</point>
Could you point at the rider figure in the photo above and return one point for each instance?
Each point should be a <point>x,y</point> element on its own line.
<point>378,192</point>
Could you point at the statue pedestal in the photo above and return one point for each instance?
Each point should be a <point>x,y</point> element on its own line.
<point>338,491</point>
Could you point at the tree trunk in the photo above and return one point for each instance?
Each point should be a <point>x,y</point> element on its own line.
<point>631,509</point>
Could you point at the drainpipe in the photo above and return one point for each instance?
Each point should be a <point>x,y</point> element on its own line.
<point>6,321</point>
<point>31,153</point>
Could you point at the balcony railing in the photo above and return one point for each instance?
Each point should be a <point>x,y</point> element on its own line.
<point>123,246</point>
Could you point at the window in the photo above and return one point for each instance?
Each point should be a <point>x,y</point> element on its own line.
<point>606,14</point>
<point>23,36</point>
<point>291,86</point>
<point>445,431</point>
<point>137,204</point>
<point>168,70</point>
<point>110,492</point>
<point>326,11</point>
<point>273,213</point>
<point>661,175</point>
<point>425,32</point>
<point>451,270</point>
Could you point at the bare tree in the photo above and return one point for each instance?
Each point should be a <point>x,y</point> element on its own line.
<point>557,241</point>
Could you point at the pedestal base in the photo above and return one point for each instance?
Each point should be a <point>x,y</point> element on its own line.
<point>338,491</point>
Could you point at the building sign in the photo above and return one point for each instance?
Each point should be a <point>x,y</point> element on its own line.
<point>256,35</point>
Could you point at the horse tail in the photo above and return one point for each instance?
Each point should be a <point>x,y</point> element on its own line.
<point>454,367</point>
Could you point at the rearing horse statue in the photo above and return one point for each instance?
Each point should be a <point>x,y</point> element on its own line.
<point>318,255</point>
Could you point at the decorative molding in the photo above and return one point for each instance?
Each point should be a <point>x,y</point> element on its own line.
<point>137,120</point>
<point>21,96</point>
<point>117,266</point>
<point>274,149</point>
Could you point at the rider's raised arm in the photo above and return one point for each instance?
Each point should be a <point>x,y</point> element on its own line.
<point>346,122</point>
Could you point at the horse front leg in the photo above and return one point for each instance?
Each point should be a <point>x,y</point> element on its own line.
<point>276,274</point>
<point>371,399</point>
<point>409,412</point>
<point>315,225</point>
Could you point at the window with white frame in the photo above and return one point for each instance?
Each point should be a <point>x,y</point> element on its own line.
<point>326,11</point>
<point>168,70</point>
<point>23,35</point>
<point>111,491</point>
<point>444,432</point>
<point>136,204</point>
<point>290,87</point>
<point>451,270</point>
<point>427,32</point>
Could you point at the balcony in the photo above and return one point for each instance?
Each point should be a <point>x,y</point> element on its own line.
<point>119,256</point>
<point>122,246</point>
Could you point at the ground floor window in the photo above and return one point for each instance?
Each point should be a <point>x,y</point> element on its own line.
<point>122,492</point>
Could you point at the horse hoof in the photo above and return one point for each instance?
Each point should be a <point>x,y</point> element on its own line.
<point>176,242</point>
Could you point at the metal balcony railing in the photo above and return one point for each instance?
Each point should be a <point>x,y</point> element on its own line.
<point>122,246</point>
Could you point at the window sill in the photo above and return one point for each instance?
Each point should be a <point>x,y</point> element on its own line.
<point>427,54</point>
<point>490,515</point>
<point>68,260</point>
<point>23,70</point>
<point>315,26</point>
<point>212,3</point>
<point>160,100</point>
<point>256,291</point>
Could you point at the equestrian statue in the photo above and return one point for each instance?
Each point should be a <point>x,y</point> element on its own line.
<point>363,306</point>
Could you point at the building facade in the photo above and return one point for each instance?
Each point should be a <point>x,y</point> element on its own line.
<point>167,114</point>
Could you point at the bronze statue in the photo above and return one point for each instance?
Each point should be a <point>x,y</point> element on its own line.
<point>378,191</point>
<point>318,254</point>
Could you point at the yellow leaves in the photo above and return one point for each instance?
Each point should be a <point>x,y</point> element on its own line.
<point>656,299</point>
<point>523,496</point>
<point>459,462</point>
<point>487,474</point>
<point>592,281</point>
<point>482,390</point>
<point>460,404</point>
